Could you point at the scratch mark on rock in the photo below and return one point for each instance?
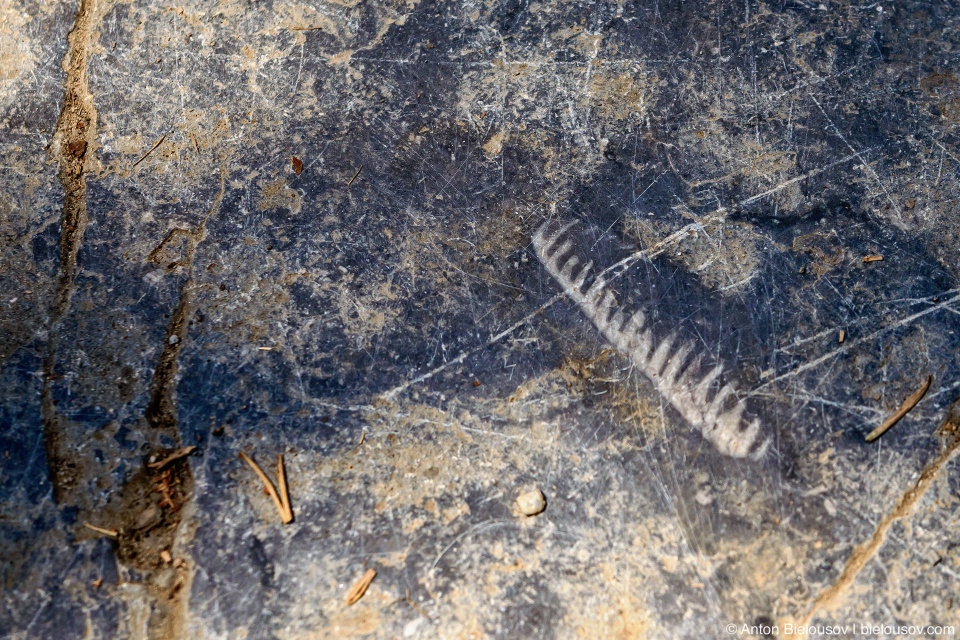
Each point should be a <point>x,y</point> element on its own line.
<point>808,174</point>
<point>848,344</point>
<point>392,393</point>
<point>898,221</point>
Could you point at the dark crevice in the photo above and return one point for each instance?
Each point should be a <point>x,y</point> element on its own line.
<point>161,410</point>
<point>75,134</point>
<point>147,508</point>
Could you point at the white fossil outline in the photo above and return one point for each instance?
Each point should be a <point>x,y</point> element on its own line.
<point>682,379</point>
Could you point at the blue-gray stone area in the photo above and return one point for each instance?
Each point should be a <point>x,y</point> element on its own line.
<point>309,234</point>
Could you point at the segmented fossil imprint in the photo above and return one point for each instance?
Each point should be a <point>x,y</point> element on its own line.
<point>690,379</point>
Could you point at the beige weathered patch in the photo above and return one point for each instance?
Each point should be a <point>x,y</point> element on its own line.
<point>494,145</point>
<point>724,256</point>
<point>338,18</point>
<point>593,96</point>
<point>622,617</point>
<point>357,621</point>
<point>300,15</point>
<point>277,195</point>
<point>618,96</point>
<point>17,58</point>
<point>366,315</point>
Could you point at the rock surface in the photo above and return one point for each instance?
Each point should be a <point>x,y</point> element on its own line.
<point>305,229</point>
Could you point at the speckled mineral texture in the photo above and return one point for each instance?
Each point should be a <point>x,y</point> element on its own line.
<point>304,228</point>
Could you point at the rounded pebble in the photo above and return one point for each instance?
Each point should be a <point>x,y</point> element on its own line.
<point>148,518</point>
<point>531,503</point>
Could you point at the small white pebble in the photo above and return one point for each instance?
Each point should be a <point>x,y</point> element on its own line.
<point>531,503</point>
<point>410,629</point>
<point>174,339</point>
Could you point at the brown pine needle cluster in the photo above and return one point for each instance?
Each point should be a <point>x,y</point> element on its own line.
<point>280,498</point>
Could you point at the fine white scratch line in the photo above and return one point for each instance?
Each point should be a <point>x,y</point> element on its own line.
<point>652,252</point>
<point>806,175</point>
<point>392,393</point>
<point>847,345</point>
<point>681,374</point>
<point>866,165</point>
